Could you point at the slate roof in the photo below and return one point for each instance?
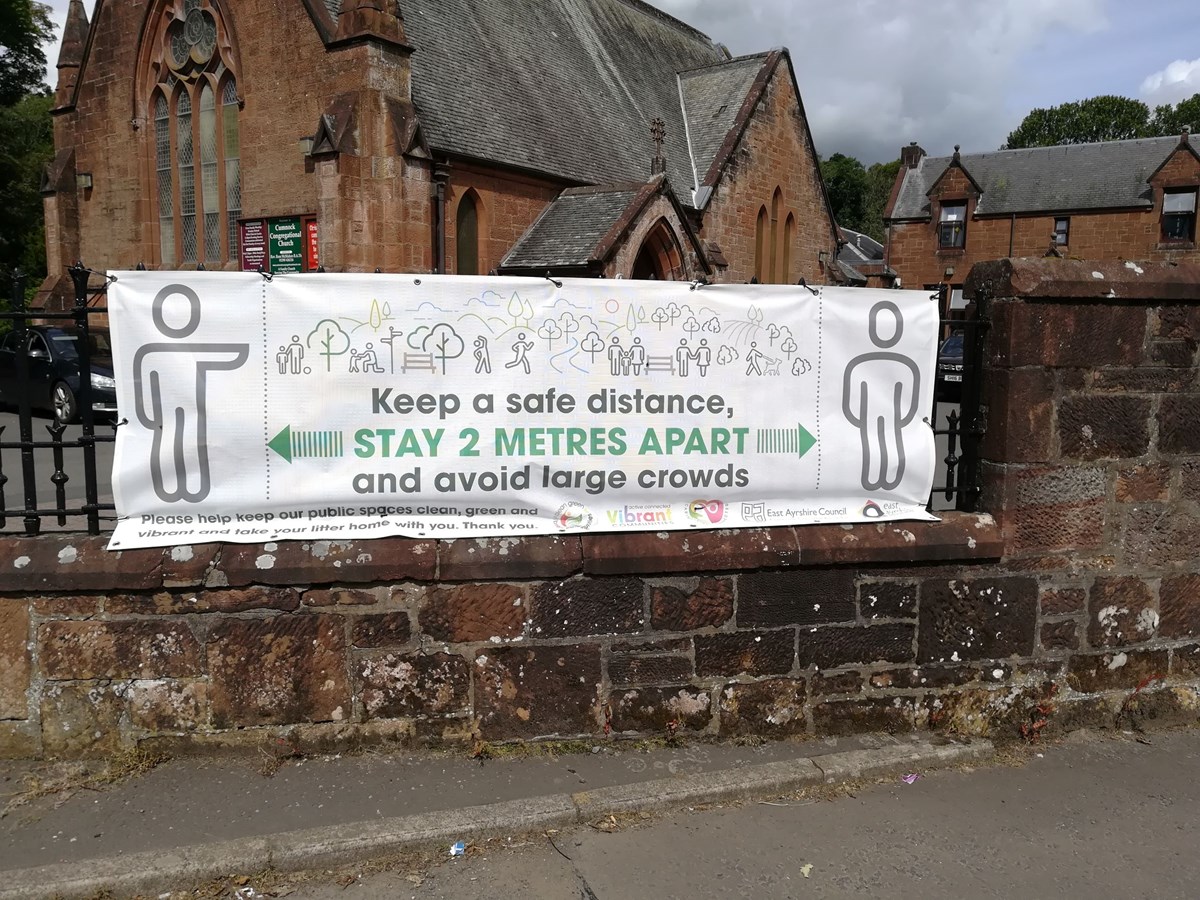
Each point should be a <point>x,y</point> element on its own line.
<point>570,229</point>
<point>1109,175</point>
<point>569,88</point>
<point>859,248</point>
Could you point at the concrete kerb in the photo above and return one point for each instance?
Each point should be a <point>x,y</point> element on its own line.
<point>340,845</point>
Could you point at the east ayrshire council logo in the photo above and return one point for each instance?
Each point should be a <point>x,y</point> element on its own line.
<point>872,510</point>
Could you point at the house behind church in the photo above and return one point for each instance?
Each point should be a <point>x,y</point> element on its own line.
<point>579,137</point>
<point>1133,200</point>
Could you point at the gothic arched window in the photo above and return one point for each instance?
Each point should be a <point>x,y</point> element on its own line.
<point>193,104</point>
<point>467,232</point>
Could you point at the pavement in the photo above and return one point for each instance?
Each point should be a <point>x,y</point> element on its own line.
<point>1096,816</point>
<point>189,821</point>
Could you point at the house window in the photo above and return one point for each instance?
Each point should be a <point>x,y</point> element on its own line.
<point>952,226</point>
<point>1062,231</point>
<point>193,105</point>
<point>1179,215</point>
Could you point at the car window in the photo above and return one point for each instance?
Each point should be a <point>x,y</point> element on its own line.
<point>10,342</point>
<point>66,342</point>
<point>953,346</point>
<point>36,343</point>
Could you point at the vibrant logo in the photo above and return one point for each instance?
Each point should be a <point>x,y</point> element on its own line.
<point>713,509</point>
<point>640,515</point>
<point>872,510</point>
<point>572,515</point>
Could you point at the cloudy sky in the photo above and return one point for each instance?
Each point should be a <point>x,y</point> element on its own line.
<point>876,74</point>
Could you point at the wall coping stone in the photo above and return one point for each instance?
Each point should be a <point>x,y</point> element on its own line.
<point>64,563</point>
<point>1074,279</point>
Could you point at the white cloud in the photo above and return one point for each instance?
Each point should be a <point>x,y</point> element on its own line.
<point>876,74</point>
<point>1178,81</point>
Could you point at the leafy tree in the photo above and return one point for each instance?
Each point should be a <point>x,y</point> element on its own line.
<point>1103,118</point>
<point>26,136</point>
<point>24,27</point>
<point>25,148</point>
<point>1168,119</point>
<point>550,332</point>
<point>846,185</point>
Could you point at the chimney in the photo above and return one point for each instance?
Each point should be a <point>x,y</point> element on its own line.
<point>911,156</point>
<point>70,55</point>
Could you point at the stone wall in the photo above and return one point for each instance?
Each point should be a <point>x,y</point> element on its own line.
<point>1076,601</point>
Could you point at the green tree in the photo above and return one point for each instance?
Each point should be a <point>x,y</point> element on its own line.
<point>1104,118</point>
<point>880,179</point>
<point>1170,119</point>
<point>24,27</point>
<point>26,147</point>
<point>846,185</point>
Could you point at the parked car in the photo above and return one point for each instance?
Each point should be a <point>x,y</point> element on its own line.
<point>948,384</point>
<point>54,371</point>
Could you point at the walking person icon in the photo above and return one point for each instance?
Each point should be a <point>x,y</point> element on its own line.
<point>754,358</point>
<point>880,395</point>
<point>170,383</point>
<point>520,348</point>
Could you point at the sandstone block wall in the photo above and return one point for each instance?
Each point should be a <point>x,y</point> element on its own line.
<point>1074,600</point>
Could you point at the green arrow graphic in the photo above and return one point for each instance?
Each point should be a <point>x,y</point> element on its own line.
<point>293,445</point>
<point>805,440</point>
<point>796,440</point>
<point>282,443</point>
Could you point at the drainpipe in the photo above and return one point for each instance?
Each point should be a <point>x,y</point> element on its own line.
<point>440,176</point>
<point>1012,230</point>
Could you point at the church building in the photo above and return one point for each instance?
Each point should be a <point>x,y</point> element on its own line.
<point>572,137</point>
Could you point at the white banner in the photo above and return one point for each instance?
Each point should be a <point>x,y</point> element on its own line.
<point>353,406</point>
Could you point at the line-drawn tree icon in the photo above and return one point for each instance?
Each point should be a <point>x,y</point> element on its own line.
<point>441,341</point>
<point>660,317</point>
<point>329,340</point>
<point>755,315</point>
<point>674,312</point>
<point>568,323</point>
<point>550,331</point>
<point>727,355</point>
<point>713,325</point>
<point>788,346</point>
<point>772,334</point>
<point>592,345</point>
<point>691,326</point>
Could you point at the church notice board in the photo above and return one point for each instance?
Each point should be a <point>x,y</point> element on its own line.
<point>281,245</point>
<point>362,405</point>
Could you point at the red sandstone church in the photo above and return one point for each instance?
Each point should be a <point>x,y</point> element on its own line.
<point>577,137</point>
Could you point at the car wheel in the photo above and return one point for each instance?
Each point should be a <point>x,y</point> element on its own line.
<point>66,407</point>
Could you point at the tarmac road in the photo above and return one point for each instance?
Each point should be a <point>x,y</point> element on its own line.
<point>10,465</point>
<point>1096,818</point>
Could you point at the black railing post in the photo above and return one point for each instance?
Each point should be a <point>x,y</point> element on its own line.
<point>972,412</point>
<point>33,524</point>
<point>79,276</point>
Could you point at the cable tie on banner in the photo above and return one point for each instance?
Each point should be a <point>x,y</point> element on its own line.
<point>808,287</point>
<point>265,274</point>
<point>554,281</point>
<point>416,281</point>
<point>699,283</point>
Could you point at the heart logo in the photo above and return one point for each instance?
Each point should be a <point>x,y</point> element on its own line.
<point>713,509</point>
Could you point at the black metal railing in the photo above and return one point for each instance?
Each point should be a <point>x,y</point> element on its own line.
<point>42,462</point>
<point>964,420</point>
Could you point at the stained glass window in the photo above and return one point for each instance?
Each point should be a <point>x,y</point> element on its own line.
<point>197,168</point>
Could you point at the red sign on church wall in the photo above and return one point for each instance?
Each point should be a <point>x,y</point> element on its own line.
<point>312,258</point>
